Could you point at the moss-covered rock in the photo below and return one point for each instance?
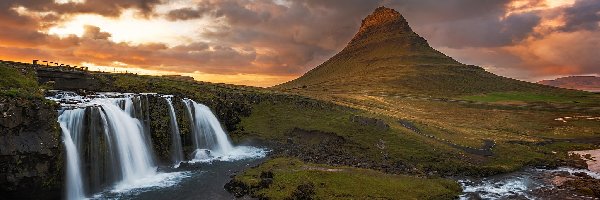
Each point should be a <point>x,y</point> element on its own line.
<point>31,153</point>
<point>31,156</point>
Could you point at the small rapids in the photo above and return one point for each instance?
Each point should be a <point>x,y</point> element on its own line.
<point>517,185</point>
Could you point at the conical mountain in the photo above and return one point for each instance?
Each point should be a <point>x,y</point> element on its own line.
<point>386,55</point>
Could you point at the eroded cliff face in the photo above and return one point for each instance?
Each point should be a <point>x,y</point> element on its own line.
<point>30,150</point>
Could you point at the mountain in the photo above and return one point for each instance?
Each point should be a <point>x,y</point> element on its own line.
<point>586,83</point>
<point>386,55</point>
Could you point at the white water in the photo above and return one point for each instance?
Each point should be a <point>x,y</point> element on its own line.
<point>572,171</point>
<point>211,141</point>
<point>126,149</point>
<point>72,120</point>
<point>516,185</point>
<point>496,189</point>
<point>207,132</point>
<point>176,149</point>
<point>109,148</point>
<point>134,154</point>
<point>237,153</point>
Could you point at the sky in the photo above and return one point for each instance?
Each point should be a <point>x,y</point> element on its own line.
<point>267,42</point>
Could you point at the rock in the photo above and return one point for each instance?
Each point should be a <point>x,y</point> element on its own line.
<point>582,175</point>
<point>31,157</point>
<point>303,192</point>
<point>237,188</point>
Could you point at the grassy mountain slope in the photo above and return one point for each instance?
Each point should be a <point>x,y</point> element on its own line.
<point>388,72</point>
<point>387,56</point>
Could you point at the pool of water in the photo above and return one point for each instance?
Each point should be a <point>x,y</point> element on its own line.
<point>200,180</point>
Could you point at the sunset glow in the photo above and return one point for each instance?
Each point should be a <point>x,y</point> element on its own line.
<point>265,43</point>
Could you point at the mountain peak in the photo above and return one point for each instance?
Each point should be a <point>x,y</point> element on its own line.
<point>382,20</point>
<point>384,50</point>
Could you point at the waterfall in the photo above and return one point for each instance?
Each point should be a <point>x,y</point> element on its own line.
<point>137,107</point>
<point>71,124</point>
<point>108,144</point>
<point>134,154</point>
<point>176,149</point>
<point>105,142</point>
<point>207,133</point>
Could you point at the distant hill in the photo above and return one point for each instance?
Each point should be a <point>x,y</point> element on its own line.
<point>386,55</point>
<point>585,83</point>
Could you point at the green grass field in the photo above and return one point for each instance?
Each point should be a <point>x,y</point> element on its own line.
<point>293,179</point>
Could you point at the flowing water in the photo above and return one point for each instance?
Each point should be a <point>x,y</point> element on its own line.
<point>207,134</point>
<point>176,149</point>
<point>110,155</point>
<point>70,120</point>
<point>516,185</point>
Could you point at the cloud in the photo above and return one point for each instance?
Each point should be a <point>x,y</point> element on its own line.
<point>110,8</point>
<point>93,32</point>
<point>284,38</point>
<point>185,14</point>
<point>561,53</point>
<point>584,15</point>
<point>485,31</point>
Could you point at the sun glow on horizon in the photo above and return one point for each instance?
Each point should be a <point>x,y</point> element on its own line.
<point>258,80</point>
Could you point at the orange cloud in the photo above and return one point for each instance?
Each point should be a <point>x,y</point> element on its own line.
<point>272,41</point>
<point>561,53</point>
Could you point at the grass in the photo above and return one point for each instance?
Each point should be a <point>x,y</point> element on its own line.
<point>326,182</point>
<point>275,122</point>
<point>522,136</point>
<point>530,97</point>
<point>18,82</point>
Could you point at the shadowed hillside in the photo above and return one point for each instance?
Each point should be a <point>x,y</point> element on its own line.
<point>586,83</point>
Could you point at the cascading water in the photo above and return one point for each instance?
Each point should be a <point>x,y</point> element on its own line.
<point>105,136</point>
<point>70,123</point>
<point>207,133</point>
<point>134,154</point>
<point>137,107</point>
<point>108,144</point>
<point>176,149</point>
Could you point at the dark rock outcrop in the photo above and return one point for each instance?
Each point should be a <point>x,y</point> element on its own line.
<point>31,156</point>
<point>316,146</point>
<point>66,80</point>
